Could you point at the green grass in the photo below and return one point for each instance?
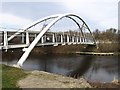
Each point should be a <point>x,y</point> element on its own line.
<point>11,75</point>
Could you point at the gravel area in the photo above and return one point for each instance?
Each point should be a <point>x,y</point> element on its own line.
<point>41,79</point>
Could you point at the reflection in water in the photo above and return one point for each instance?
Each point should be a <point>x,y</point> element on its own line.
<point>104,69</point>
<point>93,68</point>
<point>84,65</point>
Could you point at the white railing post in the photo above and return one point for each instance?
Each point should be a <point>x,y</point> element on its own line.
<point>5,40</point>
<point>72,39</point>
<point>67,38</point>
<point>56,38</point>
<point>61,38</point>
<point>44,38</point>
<point>80,39</point>
<point>53,38</point>
<point>27,38</point>
<point>22,37</point>
<point>77,39</point>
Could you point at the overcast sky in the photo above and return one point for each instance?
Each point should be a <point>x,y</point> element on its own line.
<point>98,14</point>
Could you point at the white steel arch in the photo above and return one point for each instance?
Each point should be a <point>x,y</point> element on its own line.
<point>32,45</point>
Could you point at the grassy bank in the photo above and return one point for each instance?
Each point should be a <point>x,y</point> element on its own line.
<point>11,75</point>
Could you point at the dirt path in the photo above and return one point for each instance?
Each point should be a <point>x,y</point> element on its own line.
<point>40,79</point>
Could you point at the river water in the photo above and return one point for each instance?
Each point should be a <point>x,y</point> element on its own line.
<point>92,68</point>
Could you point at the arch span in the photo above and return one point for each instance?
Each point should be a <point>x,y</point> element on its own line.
<point>43,31</point>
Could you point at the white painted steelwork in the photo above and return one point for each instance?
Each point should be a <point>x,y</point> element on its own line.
<point>55,18</point>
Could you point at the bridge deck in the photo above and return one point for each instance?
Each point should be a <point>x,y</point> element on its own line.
<point>42,44</point>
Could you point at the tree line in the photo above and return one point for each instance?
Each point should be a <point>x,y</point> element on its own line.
<point>107,35</point>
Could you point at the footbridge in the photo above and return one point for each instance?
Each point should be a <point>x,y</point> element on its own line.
<point>55,30</point>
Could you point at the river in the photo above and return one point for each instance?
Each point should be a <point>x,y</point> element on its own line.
<point>92,68</point>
